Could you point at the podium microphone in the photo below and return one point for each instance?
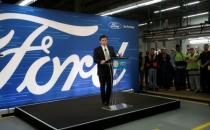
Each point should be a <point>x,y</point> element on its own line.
<point>118,54</point>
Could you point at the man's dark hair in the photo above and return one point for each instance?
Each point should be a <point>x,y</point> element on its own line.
<point>102,36</point>
<point>177,46</point>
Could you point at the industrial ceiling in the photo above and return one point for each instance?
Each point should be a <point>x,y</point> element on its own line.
<point>142,14</point>
<point>171,10</point>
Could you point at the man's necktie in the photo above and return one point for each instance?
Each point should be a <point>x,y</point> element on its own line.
<point>107,57</point>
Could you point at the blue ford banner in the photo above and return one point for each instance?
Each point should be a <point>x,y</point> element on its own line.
<point>48,54</point>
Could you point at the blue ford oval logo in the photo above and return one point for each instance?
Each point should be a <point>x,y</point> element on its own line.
<point>115,25</point>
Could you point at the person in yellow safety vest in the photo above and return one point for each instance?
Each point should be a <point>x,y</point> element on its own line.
<point>193,70</point>
<point>180,69</point>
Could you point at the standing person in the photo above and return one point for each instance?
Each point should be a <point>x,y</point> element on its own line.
<point>141,70</point>
<point>180,69</point>
<point>205,68</point>
<point>146,68</point>
<point>152,70</point>
<point>187,73</point>
<point>101,55</point>
<point>193,70</point>
<point>159,74</point>
<point>172,55</point>
<point>166,69</point>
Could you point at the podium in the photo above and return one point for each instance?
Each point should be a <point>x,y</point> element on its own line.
<point>117,64</point>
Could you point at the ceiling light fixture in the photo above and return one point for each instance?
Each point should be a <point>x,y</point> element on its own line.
<point>129,7</point>
<point>192,3</point>
<point>176,7</point>
<point>167,9</point>
<point>142,24</point>
<point>199,40</point>
<point>26,2</point>
<point>194,15</point>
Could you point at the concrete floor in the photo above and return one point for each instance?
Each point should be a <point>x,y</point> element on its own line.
<point>188,117</point>
<point>182,94</point>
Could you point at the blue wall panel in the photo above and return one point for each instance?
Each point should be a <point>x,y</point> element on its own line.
<point>48,54</point>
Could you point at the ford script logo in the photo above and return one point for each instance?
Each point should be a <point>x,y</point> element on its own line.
<point>115,25</point>
<point>18,53</point>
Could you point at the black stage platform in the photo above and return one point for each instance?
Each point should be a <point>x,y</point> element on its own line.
<point>87,112</point>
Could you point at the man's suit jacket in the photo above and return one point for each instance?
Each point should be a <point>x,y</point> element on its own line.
<point>98,56</point>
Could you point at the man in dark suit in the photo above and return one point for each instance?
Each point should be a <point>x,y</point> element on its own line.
<point>102,54</point>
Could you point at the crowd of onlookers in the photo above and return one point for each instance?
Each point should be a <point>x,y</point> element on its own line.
<point>188,71</point>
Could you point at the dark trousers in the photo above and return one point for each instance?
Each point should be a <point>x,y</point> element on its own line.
<point>141,73</point>
<point>146,75</point>
<point>159,78</point>
<point>188,80</point>
<point>165,79</point>
<point>106,87</point>
<point>205,81</point>
<point>180,79</point>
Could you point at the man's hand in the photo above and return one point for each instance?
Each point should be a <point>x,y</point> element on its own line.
<point>102,62</point>
<point>207,62</point>
<point>120,55</point>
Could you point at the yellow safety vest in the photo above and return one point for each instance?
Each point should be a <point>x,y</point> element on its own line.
<point>192,63</point>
